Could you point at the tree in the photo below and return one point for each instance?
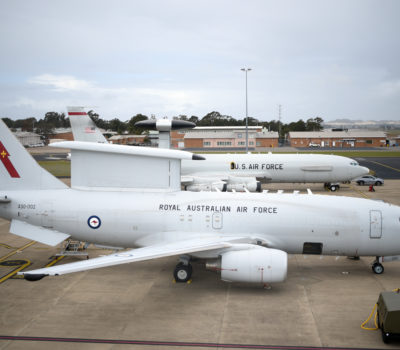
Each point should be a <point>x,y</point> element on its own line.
<point>194,119</point>
<point>314,124</point>
<point>9,122</point>
<point>100,123</point>
<point>217,119</point>
<point>132,129</point>
<point>118,126</point>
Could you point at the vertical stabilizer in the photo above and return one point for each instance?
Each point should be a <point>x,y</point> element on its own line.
<point>19,171</point>
<point>83,127</point>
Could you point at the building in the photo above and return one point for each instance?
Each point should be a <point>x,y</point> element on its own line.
<point>29,139</point>
<point>229,137</point>
<point>61,134</point>
<point>337,139</point>
<point>127,139</point>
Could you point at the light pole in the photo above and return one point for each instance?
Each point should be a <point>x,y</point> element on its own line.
<point>247,117</point>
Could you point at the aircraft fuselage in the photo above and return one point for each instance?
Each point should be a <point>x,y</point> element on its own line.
<point>277,167</point>
<point>300,223</point>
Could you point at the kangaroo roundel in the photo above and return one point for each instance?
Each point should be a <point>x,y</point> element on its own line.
<point>94,222</point>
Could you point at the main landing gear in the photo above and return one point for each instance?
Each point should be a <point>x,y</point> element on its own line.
<point>331,186</point>
<point>183,270</point>
<point>377,267</point>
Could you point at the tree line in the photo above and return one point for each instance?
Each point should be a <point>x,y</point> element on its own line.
<point>53,120</point>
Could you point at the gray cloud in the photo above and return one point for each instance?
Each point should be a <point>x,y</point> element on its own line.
<point>333,59</point>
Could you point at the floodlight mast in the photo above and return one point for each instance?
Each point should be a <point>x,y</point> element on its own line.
<point>247,116</point>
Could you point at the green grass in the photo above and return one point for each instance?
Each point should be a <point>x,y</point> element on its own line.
<point>59,168</point>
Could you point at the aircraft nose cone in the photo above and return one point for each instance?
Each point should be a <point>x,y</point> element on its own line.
<point>364,170</point>
<point>360,171</point>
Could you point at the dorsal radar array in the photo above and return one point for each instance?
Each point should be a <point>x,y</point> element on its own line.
<point>164,126</point>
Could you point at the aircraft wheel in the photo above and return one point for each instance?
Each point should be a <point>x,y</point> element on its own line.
<point>334,188</point>
<point>378,268</point>
<point>182,272</point>
<point>385,337</point>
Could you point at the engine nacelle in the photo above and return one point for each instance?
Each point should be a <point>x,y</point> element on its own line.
<point>240,183</point>
<point>197,187</point>
<point>257,265</point>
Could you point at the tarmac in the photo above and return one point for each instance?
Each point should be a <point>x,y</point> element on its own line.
<point>138,306</point>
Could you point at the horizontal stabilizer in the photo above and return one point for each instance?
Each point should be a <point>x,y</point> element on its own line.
<point>37,233</point>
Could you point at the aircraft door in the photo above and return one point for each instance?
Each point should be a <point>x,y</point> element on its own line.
<point>47,214</point>
<point>375,224</point>
<point>217,220</point>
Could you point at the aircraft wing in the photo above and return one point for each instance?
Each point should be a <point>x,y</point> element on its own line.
<point>139,254</point>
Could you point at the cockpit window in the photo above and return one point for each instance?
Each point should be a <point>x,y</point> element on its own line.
<point>354,163</point>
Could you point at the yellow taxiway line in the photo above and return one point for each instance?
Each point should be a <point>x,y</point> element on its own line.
<point>14,272</point>
<point>55,260</point>
<point>17,250</point>
<point>387,166</point>
<point>358,191</point>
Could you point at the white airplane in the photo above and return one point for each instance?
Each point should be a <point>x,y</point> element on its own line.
<point>240,172</point>
<point>130,197</point>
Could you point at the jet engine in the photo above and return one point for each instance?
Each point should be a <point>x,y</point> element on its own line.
<point>240,183</point>
<point>255,265</point>
<point>206,186</point>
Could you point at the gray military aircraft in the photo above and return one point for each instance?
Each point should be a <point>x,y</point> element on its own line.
<point>130,197</point>
<point>238,172</point>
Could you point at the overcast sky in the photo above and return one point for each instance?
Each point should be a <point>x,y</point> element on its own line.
<point>332,59</point>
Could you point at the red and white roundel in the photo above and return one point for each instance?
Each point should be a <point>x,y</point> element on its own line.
<point>94,222</point>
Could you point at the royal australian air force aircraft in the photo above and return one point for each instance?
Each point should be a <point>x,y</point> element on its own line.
<point>240,172</point>
<point>131,197</point>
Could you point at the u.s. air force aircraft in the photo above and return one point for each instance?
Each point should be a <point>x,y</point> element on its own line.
<point>239,172</point>
<point>130,197</point>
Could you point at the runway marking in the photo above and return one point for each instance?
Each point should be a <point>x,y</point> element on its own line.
<point>15,271</point>
<point>387,166</point>
<point>170,343</point>
<point>17,250</point>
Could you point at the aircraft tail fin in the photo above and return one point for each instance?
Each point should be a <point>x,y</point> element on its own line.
<point>19,171</point>
<point>83,127</point>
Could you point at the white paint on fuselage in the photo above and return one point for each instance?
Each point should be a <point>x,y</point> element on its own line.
<point>284,221</point>
<point>277,167</point>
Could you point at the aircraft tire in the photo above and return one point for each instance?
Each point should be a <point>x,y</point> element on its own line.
<point>378,268</point>
<point>334,188</point>
<point>183,273</point>
<point>385,337</point>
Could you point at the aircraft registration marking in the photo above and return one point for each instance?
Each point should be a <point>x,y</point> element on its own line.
<point>26,206</point>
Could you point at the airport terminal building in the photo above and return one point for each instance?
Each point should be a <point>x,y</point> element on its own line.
<point>337,139</point>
